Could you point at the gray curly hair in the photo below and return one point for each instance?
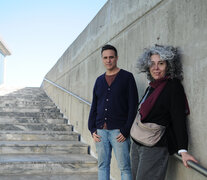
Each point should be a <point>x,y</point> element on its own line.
<point>169,54</point>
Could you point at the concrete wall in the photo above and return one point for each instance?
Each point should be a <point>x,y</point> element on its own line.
<point>132,25</point>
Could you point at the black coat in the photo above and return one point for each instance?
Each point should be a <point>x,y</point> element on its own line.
<point>170,110</point>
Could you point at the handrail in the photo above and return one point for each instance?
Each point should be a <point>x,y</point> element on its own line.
<point>191,164</point>
<point>65,90</point>
<point>194,165</point>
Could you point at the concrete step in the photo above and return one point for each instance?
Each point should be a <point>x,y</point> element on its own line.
<point>16,120</point>
<point>69,176</point>
<point>39,135</point>
<point>26,91</point>
<point>35,127</point>
<point>17,91</point>
<point>29,109</point>
<point>50,115</point>
<point>23,103</point>
<point>43,98</point>
<point>27,100</point>
<point>10,89</point>
<point>40,147</point>
<point>46,163</point>
<point>36,141</point>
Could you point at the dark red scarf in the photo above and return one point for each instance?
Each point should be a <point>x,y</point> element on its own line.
<point>148,104</point>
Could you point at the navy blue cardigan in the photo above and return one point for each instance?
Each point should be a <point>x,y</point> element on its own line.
<point>116,104</point>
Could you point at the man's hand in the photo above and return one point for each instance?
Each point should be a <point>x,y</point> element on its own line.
<point>120,138</point>
<point>96,137</point>
<point>187,157</point>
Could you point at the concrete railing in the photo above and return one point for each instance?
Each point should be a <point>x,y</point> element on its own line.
<point>191,164</point>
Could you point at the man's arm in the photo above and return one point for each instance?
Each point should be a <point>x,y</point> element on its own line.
<point>133,100</point>
<point>93,112</point>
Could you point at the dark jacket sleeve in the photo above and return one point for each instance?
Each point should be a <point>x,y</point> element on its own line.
<point>132,105</point>
<point>178,116</point>
<point>93,112</point>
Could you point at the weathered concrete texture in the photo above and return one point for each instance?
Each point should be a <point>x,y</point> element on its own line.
<point>46,164</point>
<point>38,135</point>
<point>40,143</point>
<point>83,176</point>
<point>131,26</point>
<point>39,147</point>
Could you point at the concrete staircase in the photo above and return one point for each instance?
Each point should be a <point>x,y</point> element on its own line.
<point>36,142</point>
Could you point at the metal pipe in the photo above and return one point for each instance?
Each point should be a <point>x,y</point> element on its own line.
<point>193,165</point>
<point>65,90</point>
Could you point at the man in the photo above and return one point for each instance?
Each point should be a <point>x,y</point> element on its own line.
<point>112,113</point>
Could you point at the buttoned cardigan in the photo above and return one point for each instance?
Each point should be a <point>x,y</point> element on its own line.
<point>115,104</point>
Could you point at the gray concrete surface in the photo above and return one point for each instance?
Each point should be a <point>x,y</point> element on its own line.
<point>131,26</point>
<point>39,147</point>
<point>74,176</point>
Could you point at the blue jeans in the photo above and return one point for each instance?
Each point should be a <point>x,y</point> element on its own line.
<point>121,151</point>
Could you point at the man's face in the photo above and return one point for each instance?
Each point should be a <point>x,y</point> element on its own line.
<point>109,59</point>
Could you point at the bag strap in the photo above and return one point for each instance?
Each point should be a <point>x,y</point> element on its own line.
<point>144,97</point>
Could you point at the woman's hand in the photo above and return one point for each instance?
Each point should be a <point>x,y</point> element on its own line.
<point>187,157</point>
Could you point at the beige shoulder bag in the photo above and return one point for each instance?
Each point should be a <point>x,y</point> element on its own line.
<point>147,134</point>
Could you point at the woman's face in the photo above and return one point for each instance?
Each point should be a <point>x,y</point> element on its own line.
<point>157,67</point>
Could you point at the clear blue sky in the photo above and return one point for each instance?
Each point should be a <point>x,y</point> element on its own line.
<point>37,32</point>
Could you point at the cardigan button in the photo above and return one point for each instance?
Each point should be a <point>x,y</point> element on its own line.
<point>106,109</point>
<point>107,99</point>
<point>109,89</point>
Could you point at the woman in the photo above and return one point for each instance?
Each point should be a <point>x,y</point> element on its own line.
<point>164,103</point>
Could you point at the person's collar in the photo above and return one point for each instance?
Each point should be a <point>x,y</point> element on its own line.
<point>110,73</point>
